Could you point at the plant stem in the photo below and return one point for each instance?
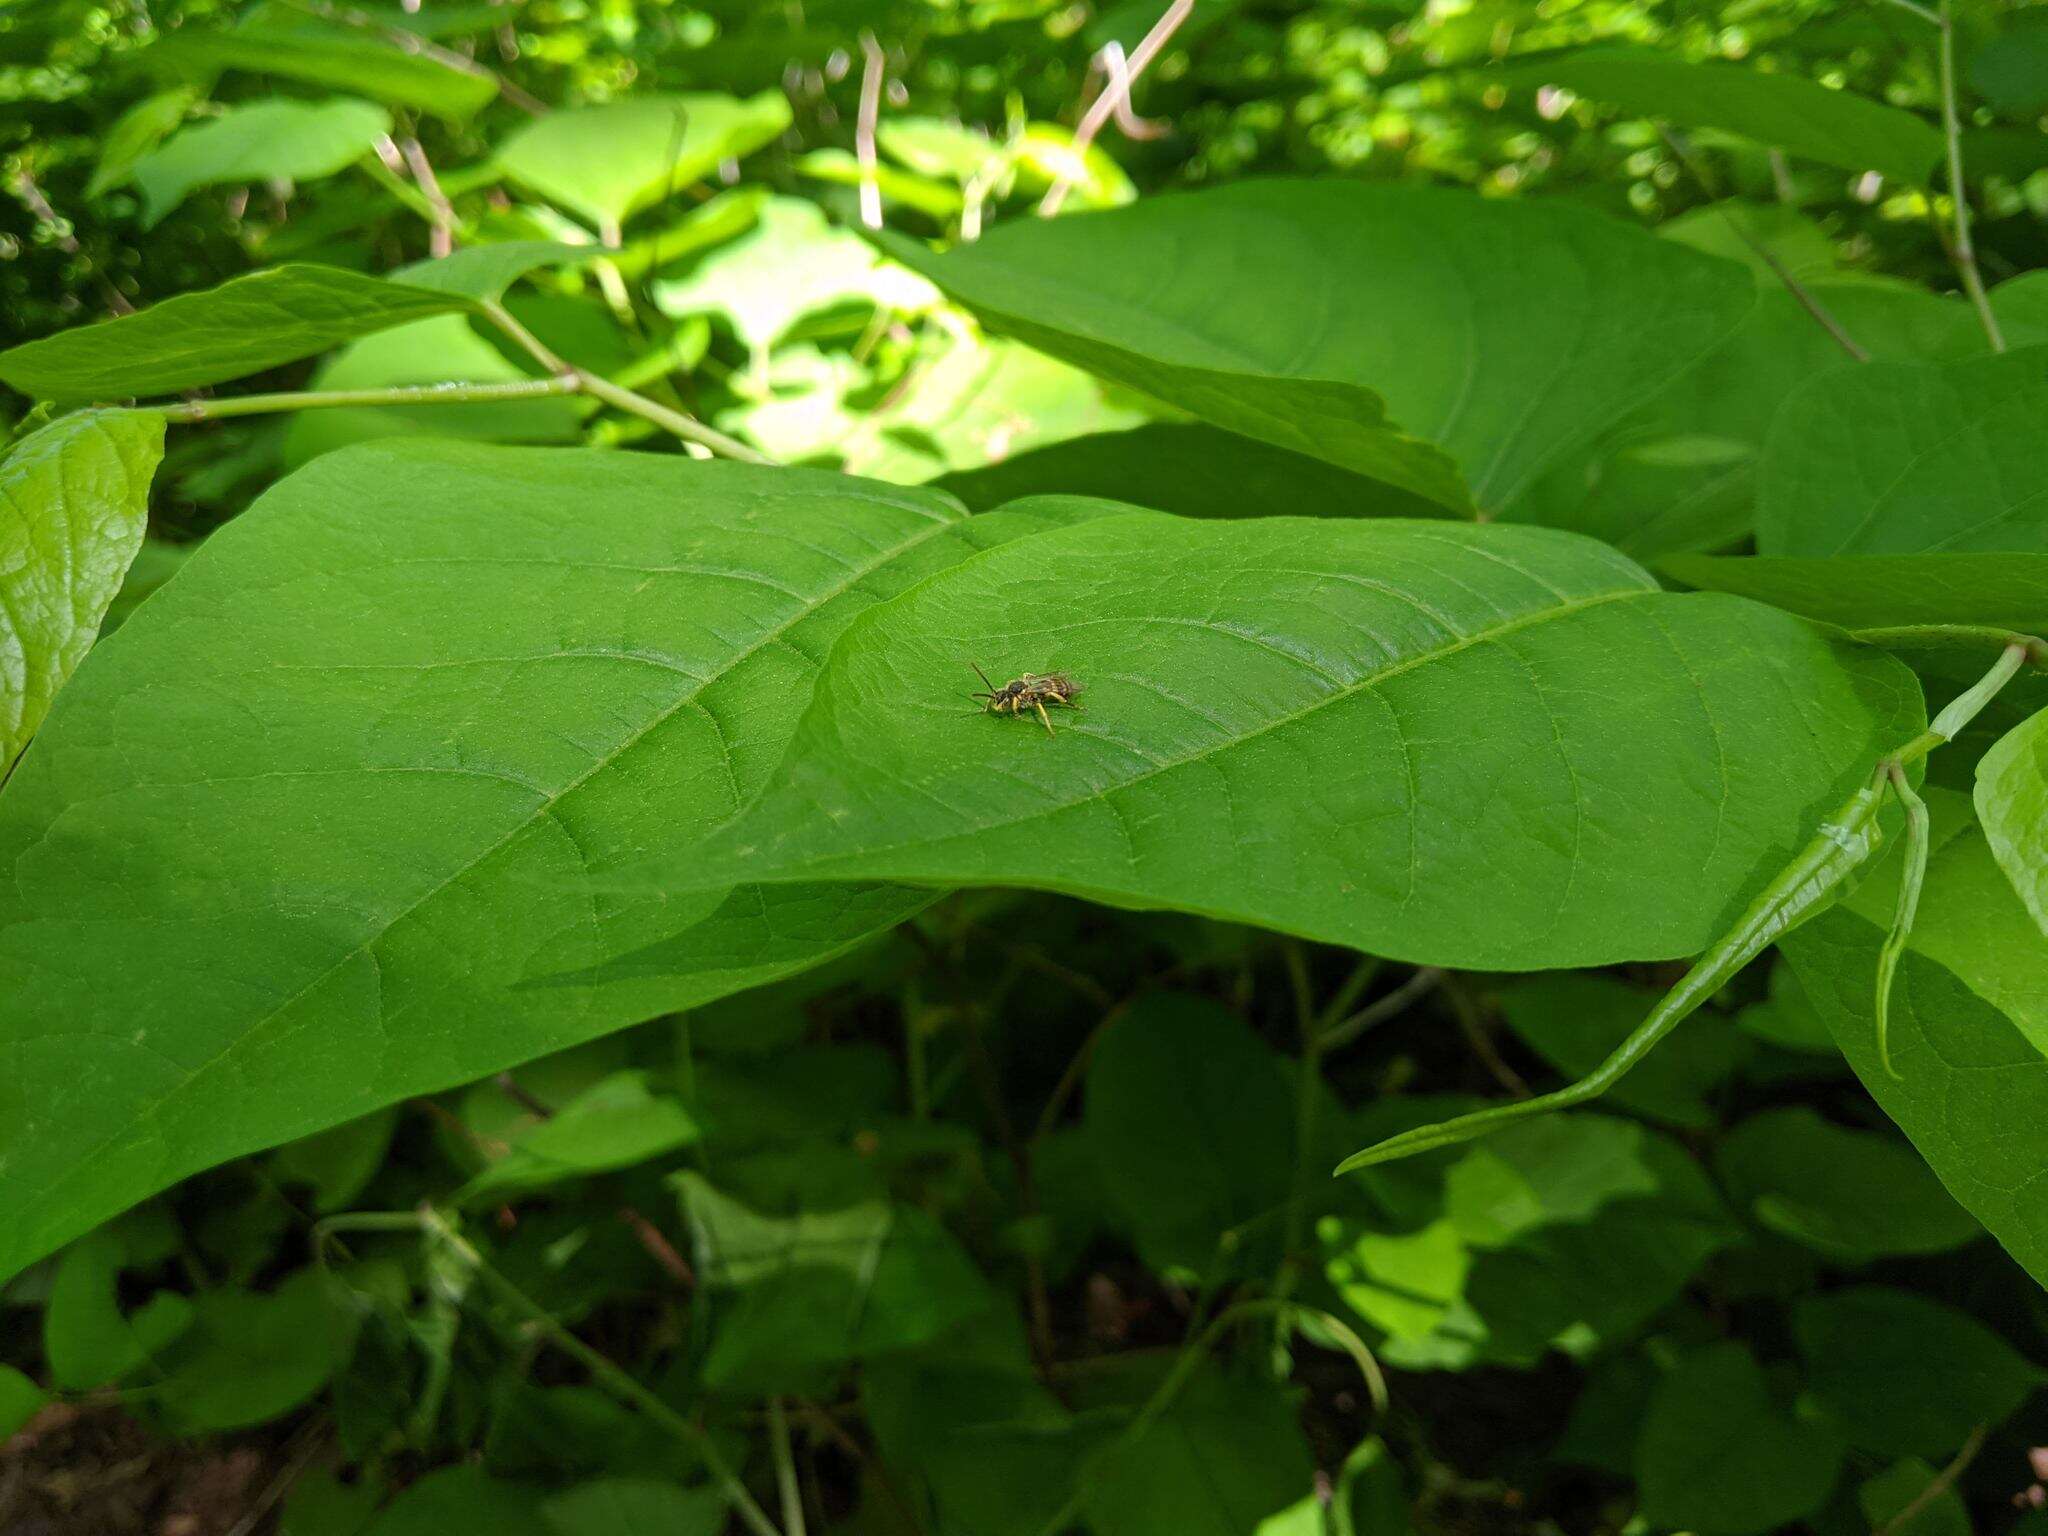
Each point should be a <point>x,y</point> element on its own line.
<point>1910,880</point>
<point>1959,202</point>
<point>785,1470</point>
<point>1937,1485</point>
<point>1964,707</point>
<point>605,1373</point>
<point>1307,1101</point>
<point>688,428</point>
<point>1967,637</point>
<point>1425,981</point>
<point>1799,291</point>
<point>320,399</point>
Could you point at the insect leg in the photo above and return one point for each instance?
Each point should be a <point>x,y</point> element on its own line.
<point>1042,715</point>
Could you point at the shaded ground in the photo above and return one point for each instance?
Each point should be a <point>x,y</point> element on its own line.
<point>75,1471</point>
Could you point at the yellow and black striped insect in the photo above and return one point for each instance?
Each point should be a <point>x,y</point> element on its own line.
<point>1034,690</point>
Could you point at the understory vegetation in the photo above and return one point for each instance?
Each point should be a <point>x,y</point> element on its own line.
<point>1009,768</point>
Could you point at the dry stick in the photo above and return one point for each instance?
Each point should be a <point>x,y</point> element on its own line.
<point>1763,253</point>
<point>875,65</point>
<point>1115,96</point>
<point>1959,201</point>
<point>1939,1484</point>
<point>442,241</point>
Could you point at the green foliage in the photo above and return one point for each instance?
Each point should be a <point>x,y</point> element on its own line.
<point>534,999</point>
<point>255,322</point>
<point>73,499</point>
<point>1350,337</point>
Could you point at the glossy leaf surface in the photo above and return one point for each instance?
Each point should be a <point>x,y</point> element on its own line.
<point>1494,747</point>
<point>73,500</point>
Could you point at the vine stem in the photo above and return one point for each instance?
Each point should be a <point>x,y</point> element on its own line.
<point>324,399</point>
<point>786,1482</point>
<point>603,1371</point>
<point>1959,202</point>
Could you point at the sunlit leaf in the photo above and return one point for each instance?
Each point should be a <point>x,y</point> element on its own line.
<point>1494,747</point>
<point>73,500</point>
<point>1371,326</point>
<point>244,326</point>
<point>267,141</point>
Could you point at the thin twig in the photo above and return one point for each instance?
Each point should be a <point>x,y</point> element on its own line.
<point>1418,986</point>
<point>1114,97</point>
<point>441,241</point>
<point>786,1483</point>
<point>1958,192</point>
<point>301,1457</point>
<point>1939,1484</point>
<point>1799,291</point>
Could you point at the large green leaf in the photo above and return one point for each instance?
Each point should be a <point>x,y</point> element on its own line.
<point>1486,747</point>
<point>1787,110</point>
<point>331,837</point>
<point>607,162</point>
<point>266,141</point>
<point>244,326</point>
<point>348,58</point>
<point>1376,327</point>
<point>1969,1025</point>
<point>73,500</point>
<point>1223,1460</point>
<point>2012,807</point>
<point>1904,458</point>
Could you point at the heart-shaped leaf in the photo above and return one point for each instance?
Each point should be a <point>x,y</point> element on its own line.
<point>1486,747</point>
<point>1375,327</point>
<point>329,838</point>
